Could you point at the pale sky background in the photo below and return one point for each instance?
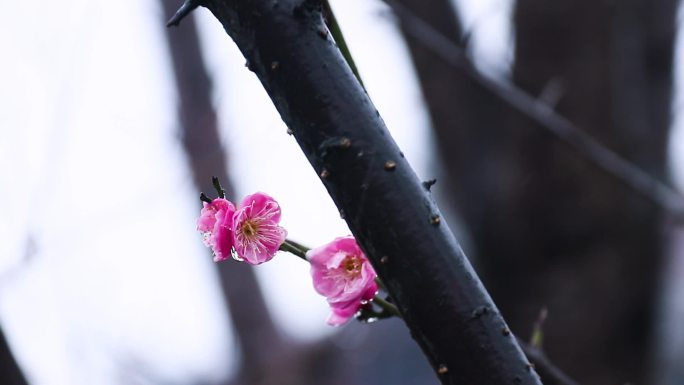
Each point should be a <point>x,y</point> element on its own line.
<point>100,263</point>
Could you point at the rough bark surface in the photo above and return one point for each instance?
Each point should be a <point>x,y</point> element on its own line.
<point>391,214</point>
<point>550,229</point>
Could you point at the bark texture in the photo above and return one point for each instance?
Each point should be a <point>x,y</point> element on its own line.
<point>549,228</point>
<point>391,214</point>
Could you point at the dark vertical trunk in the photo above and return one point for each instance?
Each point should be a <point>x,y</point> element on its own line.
<point>550,229</point>
<point>261,345</point>
<point>590,249</point>
<point>10,374</point>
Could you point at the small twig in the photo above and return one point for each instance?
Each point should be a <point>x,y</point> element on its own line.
<point>429,183</point>
<point>549,373</point>
<point>205,198</point>
<point>185,9</point>
<point>217,185</point>
<point>537,338</point>
<point>386,306</point>
<point>541,113</point>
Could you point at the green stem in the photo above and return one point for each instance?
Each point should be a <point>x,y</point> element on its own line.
<point>386,306</point>
<point>297,245</point>
<point>339,39</point>
<point>294,248</point>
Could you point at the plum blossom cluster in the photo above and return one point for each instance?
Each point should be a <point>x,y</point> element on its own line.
<point>249,233</point>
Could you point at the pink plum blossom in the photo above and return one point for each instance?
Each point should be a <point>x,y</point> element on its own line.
<point>342,273</point>
<point>215,223</point>
<point>256,233</point>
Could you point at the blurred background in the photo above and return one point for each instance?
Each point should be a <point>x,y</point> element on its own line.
<point>110,125</point>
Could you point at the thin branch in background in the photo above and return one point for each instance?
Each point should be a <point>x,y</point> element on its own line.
<point>549,372</point>
<point>260,341</point>
<point>541,113</point>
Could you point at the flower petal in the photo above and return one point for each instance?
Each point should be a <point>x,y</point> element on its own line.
<point>337,276</point>
<point>257,236</point>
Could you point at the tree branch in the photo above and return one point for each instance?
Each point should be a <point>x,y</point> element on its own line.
<point>185,9</point>
<point>551,374</point>
<point>541,113</point>
<point>393,217</point>
<point>10,373</point>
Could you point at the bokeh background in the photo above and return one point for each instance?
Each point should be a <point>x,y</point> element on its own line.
<point>110,123</point>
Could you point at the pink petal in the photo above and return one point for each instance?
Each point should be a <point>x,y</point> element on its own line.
<point>215,222</point>
<point>345,293</point>
<point>262,206</point>
<point>341,312</point>
<point>263,212</point>
<point>223,235</point>
<point>263,249</point>
<point>207,217</point>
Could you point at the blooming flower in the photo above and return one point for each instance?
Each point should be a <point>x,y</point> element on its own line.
<point>342,273</point>
<point>215,223</point>
<point>256,233</point>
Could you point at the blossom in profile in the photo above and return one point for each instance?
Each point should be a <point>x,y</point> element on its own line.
<point>215,223</point>
<point>342,273</point>
<point>257,235</point>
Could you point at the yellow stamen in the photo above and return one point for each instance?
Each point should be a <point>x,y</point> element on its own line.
<point>352,265</point>
<point>249,229</point>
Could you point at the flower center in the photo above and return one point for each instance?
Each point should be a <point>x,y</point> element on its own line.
<point>352,266</point>
<point>249,228</point>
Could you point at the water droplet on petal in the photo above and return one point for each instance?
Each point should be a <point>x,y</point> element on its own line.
<point>235,255</point>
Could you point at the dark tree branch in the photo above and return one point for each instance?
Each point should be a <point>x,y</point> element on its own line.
<point>394,219</point>
<point>10,374</point>
<point>541,113</point>
<point>185,9</point>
